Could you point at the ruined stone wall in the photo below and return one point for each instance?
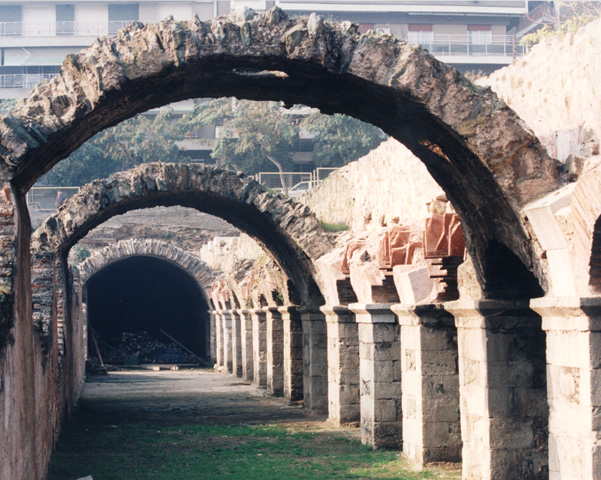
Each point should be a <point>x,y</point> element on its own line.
<point>555,90</point>
<point>184,228</point>
<point>387,183</point>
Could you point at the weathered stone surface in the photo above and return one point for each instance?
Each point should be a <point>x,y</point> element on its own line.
<point>289,231</point>
<point>479,151</point>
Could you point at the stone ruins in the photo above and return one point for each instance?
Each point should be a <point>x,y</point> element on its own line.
<point>472,333</point>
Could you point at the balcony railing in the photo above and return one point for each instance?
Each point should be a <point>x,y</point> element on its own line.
<point>52,29</point>
<point>461,45</point>
<point>23,80</point>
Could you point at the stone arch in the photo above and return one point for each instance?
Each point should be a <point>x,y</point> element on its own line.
<point>476,148</point>
<point>287,230</point>
<point>193,265</point>
<point>586,206</point>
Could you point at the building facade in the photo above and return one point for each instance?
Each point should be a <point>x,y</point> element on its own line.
<point>36,36</point>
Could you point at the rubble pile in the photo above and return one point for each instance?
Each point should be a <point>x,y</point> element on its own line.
<point>142,348</point>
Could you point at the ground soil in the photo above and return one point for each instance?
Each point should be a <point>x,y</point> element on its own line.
<point>124,402</point>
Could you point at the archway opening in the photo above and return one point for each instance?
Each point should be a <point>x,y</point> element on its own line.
<point>148,294</point>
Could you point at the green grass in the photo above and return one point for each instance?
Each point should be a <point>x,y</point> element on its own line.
<point>334,227</point>
<point>136,451</point>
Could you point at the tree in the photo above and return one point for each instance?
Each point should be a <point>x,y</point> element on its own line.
<point>257,134</point>
<point>340,139</point>
<point>141,139</point>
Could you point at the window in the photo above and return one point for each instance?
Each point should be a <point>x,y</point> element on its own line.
<point>10,20</point>
<point>121,15</point>
<point>65,16</point>
<point>421,35</point>
<point>479,34</point>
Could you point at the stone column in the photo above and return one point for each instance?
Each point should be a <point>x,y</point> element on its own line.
<point>293,352</point>
<point>429,383</point>
<point>246,334</point>
<point>212,337</point>
<point>236,344</point>
<point>259,346</point>
<point>573,328</point>
<point>343,365</point>
<point>380,375</point>
<point>228,350</point>
<point>502,387</point>
<point>275,351</point>
<point>315,362</point>
<point>219,335</point>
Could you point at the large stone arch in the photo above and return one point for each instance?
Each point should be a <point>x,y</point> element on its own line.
<point>486,159</point>
<point>287,230</point>
<point>133,247</point>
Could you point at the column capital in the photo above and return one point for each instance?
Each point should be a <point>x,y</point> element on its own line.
<point>288,309</point>
<point>338,314</point>
<point>271,309</point>
<point>581,314</point>
<point>372,312</point>
<point>494,315</point>
<point>432,315</point>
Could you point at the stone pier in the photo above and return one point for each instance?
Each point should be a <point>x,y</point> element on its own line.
<point>259,325</point>
<point>502,386</point>
<point>343,365</point>
<point>236,343</point>
<point>212,337</point>
<point>430,384</point>
<point>228,351</point>
<point>218,338</point>
<point>315,361</point>
<point>275,351</point>
<point>246,335</point>
<point>573,328</point>
<point>293,352</point>
<point>380,375</point>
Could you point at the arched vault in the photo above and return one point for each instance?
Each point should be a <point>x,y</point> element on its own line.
<point>484,157</point>
<point>288,231</point>
<point>133,247</point>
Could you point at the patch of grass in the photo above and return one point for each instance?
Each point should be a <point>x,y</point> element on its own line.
<point>136,451</point>
<point>334,227</point>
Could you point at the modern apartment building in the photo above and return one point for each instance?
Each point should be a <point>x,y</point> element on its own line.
<point>36,35</point>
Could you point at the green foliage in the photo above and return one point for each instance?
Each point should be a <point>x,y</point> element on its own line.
<point>80,252</point>
<point>340,139</point>
<point>256,136</point>
<point>260,135</point>
<point>576,15</point>
<point>334,227</point>
<point>141,139</point>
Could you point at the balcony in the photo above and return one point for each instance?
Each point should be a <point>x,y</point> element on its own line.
<point>457,48</point>
<point>53,29</point>
<point>24,81</point>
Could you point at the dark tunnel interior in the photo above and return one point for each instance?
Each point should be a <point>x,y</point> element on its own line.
<point>147,294</point>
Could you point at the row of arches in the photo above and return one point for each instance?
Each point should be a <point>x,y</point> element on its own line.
<point>489,164</point>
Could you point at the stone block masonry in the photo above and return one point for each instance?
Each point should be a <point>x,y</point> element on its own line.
<point>246,334</point>
<point>343,365</point>
<point>259,325</point>
<point>573,329</point>
<point>502,386</point>
<point>380,375</point>
<point>293,352</point>
<point>275,351</point>
<point>236,343</point>
<point>430,384</point>
<point>315,361</point>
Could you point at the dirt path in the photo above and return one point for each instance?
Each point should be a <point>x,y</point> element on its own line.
<point>201,396</point>
<point>201,424</point>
